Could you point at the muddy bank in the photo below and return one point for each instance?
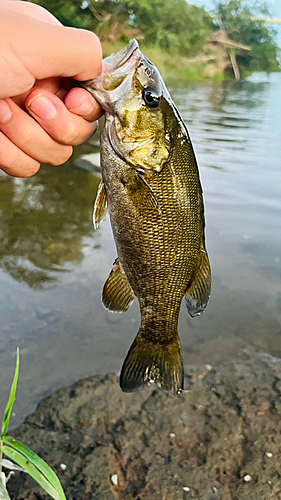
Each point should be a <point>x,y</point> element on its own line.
<point>220,440</point>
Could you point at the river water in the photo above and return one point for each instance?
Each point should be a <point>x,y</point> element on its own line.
<point>53,264</point>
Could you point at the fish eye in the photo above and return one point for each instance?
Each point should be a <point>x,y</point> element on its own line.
<point>151,97</point>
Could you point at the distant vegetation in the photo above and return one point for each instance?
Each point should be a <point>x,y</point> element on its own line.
<point>174,28</point>
<point>243,25</point>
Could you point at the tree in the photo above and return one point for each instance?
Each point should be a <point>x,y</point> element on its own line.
<point>244,26</point>
<point>172,25</point>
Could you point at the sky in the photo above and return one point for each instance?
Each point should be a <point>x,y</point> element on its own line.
<point>277,8</point>
<point>275,5</point>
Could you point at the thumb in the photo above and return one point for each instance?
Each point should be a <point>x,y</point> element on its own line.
<point>48,50</point>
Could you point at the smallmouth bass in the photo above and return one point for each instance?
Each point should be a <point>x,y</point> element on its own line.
<point>151,188</point>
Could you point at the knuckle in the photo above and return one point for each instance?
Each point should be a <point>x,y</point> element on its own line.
<point>91,131</point>
<point>14,161</point>
<point>32,169</point>
<point>85,134</point>
<point>23,168</point>
<point>69,136</point>
<point>63,155</point>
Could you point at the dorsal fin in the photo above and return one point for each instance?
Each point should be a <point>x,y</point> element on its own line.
<point>100,207</point>
<point>198,292</point>
<point>117,294</point>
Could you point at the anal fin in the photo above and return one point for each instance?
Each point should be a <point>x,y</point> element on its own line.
<point>198,292</point>
<point>117,294</point>
<point>100,206</point>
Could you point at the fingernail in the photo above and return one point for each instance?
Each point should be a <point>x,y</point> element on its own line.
<point>5,112</point>
<point>42,107</point>
<point>84,109</point>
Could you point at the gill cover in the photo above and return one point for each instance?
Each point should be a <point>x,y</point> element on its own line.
<point>134,97</point>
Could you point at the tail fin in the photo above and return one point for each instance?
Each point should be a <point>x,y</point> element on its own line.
<point>147,362</point>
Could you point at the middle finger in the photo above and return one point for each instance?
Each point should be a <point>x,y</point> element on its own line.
<point>29,136</point>
<point>62,125</point>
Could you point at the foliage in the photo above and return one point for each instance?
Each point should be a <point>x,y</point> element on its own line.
<point>27,460</point>
<point>68,12</point>
<point>174,26</point>
<point>244,25</point>
<point>8,409</point>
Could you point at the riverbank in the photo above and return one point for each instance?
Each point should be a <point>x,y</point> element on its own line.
<point>174,66</point>
<point>220,440</point>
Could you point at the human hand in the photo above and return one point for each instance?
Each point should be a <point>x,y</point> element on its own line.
<point>39,60</point>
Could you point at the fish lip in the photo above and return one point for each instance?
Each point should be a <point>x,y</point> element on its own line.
<point>118,59</point>
<point>114,61</point>
<point>123,63</point>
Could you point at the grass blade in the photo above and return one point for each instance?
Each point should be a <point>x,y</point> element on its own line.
<point>37,462</point>
<point>12,398</point>
<point>32,471</point>
<point>4,495</point>
<point>10,465</point>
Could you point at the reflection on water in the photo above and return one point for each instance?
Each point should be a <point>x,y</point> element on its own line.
<point>43,222</point>
<point>53,264</point>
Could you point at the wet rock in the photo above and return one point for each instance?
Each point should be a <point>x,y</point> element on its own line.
<point>90,162</point>
<point>149,446</point>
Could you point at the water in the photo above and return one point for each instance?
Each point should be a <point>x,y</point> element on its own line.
<point>53,264</point>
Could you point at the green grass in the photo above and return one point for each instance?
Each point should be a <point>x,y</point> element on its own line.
<point>29,462</point>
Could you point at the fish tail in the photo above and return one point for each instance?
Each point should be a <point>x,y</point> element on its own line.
<point>157,363</point>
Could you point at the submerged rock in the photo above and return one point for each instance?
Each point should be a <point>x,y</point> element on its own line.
<point>224,429</point>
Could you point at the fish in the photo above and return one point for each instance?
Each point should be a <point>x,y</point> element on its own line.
<point>152,191</point>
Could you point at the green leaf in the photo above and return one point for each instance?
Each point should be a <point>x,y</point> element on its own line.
<point>4,495</point>
<point>37,462</point>
<point>12,398</point>
<point>32,471</point>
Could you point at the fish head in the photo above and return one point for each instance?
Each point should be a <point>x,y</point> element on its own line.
<point>139,109</point>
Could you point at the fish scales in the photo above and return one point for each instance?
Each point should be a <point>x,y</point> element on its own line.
<point>154,197</point>
<point>145,241</point>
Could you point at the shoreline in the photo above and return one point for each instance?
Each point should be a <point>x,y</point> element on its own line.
<point>220,440</point>
<point>174,67</point>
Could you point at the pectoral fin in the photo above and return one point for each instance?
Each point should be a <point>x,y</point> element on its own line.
<point>117,294</point>
<point>100,206</point>
<point>148,194</point>
<point>198,293</point>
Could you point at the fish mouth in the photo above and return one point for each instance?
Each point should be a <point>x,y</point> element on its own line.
<point>107,88</point>
<point>118,59</point>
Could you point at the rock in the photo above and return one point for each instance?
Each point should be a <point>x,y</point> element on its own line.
<point>149,446</point>
<point>90,162</point>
